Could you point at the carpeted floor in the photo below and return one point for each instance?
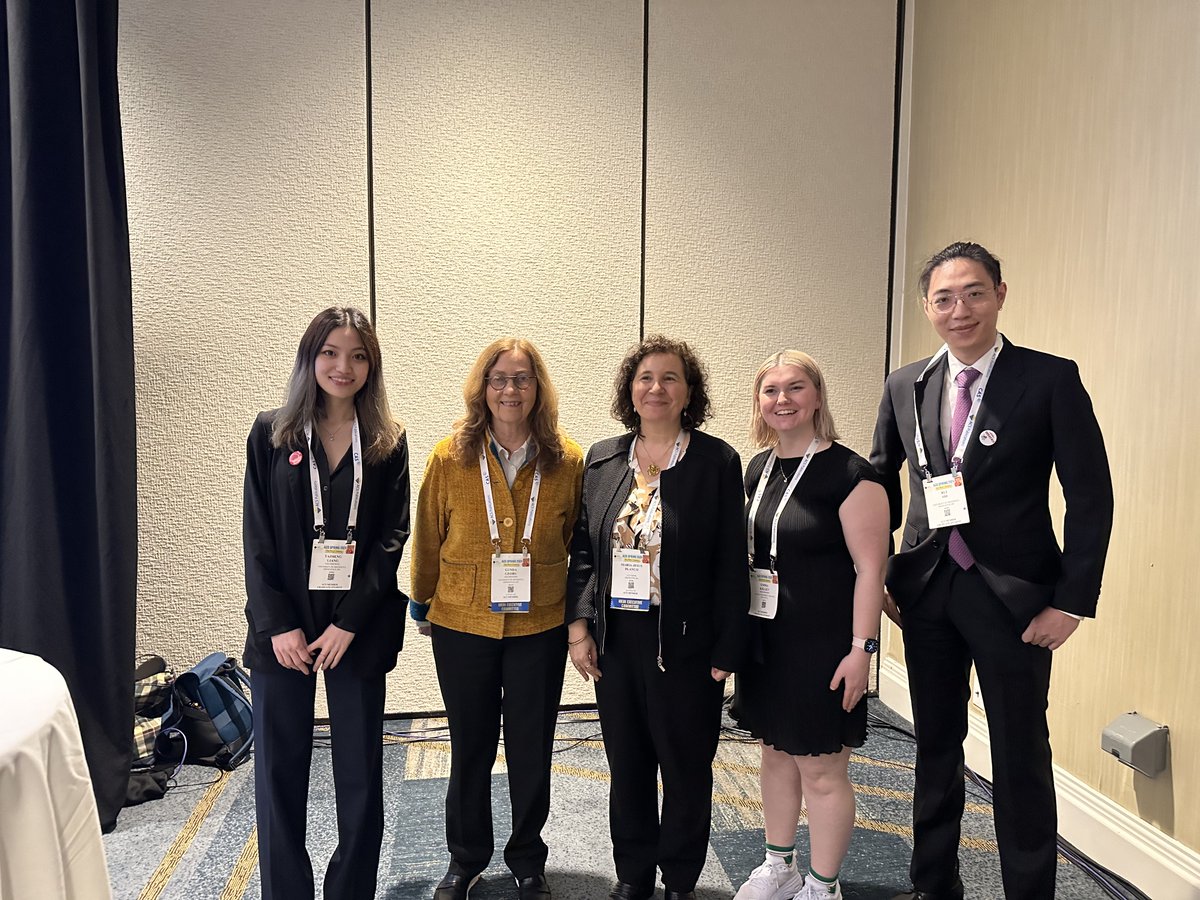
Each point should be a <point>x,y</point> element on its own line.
<point>199,842</point>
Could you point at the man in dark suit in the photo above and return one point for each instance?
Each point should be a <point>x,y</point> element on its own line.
<point>979,576</point>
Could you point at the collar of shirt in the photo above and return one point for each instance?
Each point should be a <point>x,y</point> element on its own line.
<point>512,462</point>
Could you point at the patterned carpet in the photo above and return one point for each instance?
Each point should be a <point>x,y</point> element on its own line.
<point>199,842</point>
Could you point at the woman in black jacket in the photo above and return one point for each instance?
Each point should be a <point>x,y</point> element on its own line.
<point>657,602</point>
<point>325,519</point>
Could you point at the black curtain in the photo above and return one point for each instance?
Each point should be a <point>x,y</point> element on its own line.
<point>68,516</point>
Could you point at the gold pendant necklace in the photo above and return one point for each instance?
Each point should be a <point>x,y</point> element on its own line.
<point>653,469</point>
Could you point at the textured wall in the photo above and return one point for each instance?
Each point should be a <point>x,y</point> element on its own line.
<point>769,192</point>
<point>507,153</point>
<point>1065,136</point>
<point>244,148</point>
<point>507,197</point>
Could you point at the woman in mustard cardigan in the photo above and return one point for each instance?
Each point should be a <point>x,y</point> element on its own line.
<point>495,516</point>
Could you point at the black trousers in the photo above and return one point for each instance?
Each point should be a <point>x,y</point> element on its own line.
<point>958,619</point>
<point>283,740</point>
<point>655,721</point>
<point>484,681</point>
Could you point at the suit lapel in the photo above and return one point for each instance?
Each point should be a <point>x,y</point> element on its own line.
<point>929,403</point>
<point>1004,389</point>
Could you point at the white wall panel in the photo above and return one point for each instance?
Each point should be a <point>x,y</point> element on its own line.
<point>769,192</point>
<point>507,196</point>
<point>244,153</point>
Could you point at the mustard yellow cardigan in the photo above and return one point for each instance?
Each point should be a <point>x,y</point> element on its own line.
<point>452,547</point>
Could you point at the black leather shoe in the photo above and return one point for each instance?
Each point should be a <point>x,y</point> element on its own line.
<point>926,895</point>
<point>533,887</point>
<point>625,891</point>
<point>679,895</point>
<point>455,887</point>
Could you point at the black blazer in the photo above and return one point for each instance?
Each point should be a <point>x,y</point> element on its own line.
<point>704,579</point>
<point>277,539</point>
<point>1042,417</point>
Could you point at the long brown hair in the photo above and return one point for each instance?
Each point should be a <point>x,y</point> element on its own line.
<point>470,431</point>
<point>305,400</point>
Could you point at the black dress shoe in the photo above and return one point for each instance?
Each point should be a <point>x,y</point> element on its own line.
<point>679,895</point>
<point>533,887</point>
<point>625,891</point>
<point>926,895</point>
<point>455,887</point>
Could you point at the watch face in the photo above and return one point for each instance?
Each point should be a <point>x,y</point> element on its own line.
<point>871,645</point>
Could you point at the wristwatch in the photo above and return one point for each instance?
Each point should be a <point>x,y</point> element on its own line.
<point>871,645</point>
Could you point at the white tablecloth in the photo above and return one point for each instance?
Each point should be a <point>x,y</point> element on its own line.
<point>50,843</point>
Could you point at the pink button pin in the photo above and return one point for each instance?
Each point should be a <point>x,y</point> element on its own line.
<point>988,438</point>
<point>295,458</point>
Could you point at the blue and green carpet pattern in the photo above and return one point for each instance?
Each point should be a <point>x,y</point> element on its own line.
<point>200,843</point>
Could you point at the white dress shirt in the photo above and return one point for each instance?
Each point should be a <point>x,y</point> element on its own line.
<point>511,463</point>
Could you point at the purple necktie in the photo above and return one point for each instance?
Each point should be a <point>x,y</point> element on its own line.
<point>959,551</point>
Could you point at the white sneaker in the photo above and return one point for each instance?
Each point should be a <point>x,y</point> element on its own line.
<point>814,890</point>
<point>773,880</point>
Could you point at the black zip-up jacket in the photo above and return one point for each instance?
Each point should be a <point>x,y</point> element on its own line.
<point>703,569</point>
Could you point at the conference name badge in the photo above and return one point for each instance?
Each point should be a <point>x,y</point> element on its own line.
<point>630,580</point>
<point>764,593</point>
<point>510,583</point>
<point>332,566</point>
<point>946,501</point>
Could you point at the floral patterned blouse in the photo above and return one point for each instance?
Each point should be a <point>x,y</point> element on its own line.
<point>630,521</point>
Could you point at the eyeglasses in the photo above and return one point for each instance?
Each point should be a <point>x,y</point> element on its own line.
<point>943,303</point>
<point>499,382</point>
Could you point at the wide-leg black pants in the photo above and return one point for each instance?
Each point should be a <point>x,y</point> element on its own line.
<point>484,681</point>
<point>657,722</point>
<point>283,741</point>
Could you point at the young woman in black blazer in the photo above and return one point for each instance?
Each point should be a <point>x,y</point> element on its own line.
<point>657,601</point>
<point>325,520</point>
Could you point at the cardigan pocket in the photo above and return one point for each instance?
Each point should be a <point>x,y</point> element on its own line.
<point>548,582</point>
<point>456,583</point>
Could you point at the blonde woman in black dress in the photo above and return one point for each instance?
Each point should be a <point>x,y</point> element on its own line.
<point>817,532</point>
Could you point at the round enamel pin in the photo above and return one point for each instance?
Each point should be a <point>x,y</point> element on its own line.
<point>987,438</point>
<point>296,456</point>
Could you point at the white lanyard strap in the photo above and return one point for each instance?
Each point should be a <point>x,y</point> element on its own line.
<point>787,493</point>
<point>647,521</point>
<point>314,482</point>
<point>965,438</point>
<point>490,501</point>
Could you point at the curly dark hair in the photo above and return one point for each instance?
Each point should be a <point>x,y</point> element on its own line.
<point>699,406</point>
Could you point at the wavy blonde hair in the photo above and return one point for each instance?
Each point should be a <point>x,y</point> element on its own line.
<point>470,431</point>
<point>306,401</point>
<point>763,434</point>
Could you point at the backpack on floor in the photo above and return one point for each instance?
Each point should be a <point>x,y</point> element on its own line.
<point>213,702</point>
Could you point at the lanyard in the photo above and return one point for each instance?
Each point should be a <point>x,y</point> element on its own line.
<point>964,439</point>
<point>491,505</point>
<point>314,482</point>
<point>648,519</point>
<point>762,489</point>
